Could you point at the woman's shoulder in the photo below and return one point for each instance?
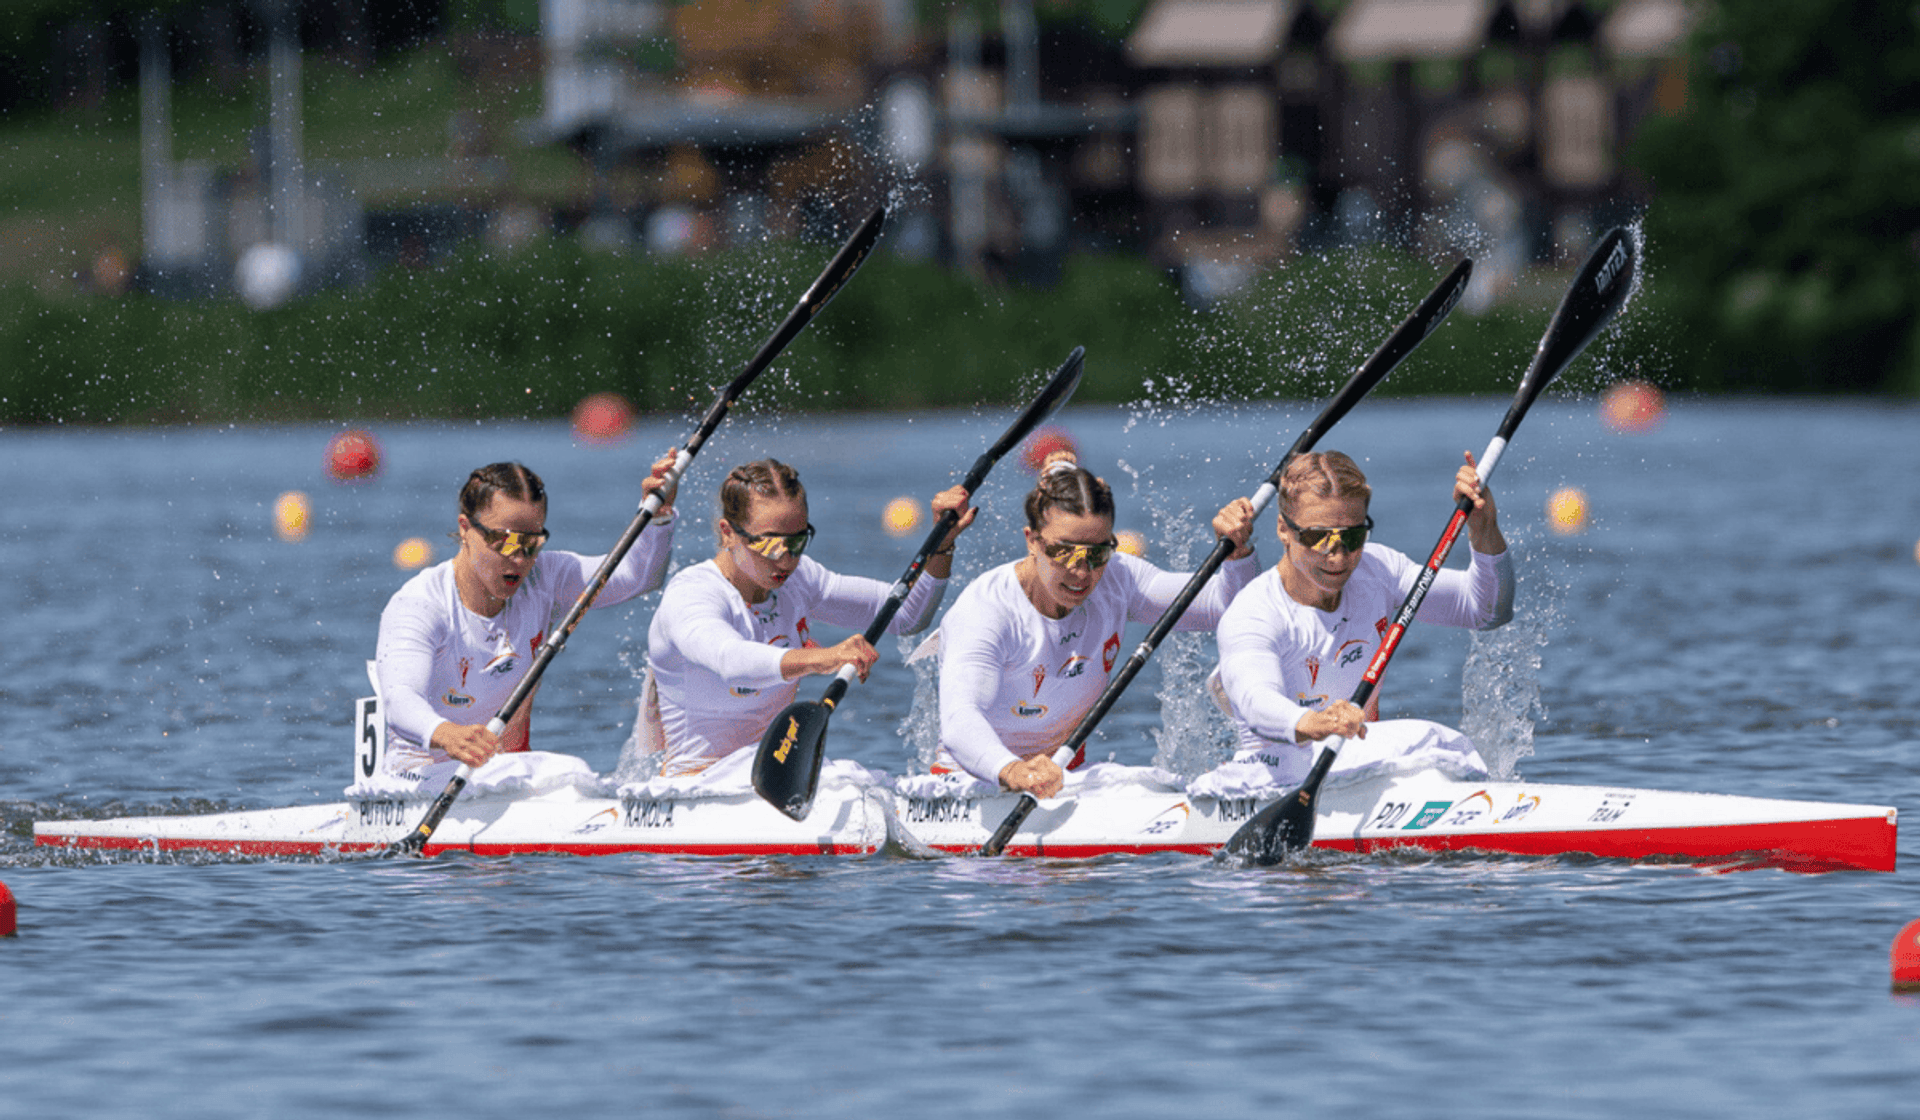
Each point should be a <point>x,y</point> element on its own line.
<point>428,585</point>
<point>693,575</point>
<point>991,583</point>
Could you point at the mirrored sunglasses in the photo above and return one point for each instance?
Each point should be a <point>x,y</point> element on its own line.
<point>1067,554</point>
<point>775,546</point>
<point>506,542</point>
<point>1350,538</point>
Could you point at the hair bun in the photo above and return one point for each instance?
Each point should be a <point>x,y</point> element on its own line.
<point>1057,462</point>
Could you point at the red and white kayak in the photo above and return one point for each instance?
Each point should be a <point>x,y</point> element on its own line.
<point>558,806</point>
<point>1423,810</point>
<point>1428,810</point>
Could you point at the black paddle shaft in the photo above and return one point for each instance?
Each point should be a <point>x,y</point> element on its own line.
<point>1062,386</point>
<point>1599,290</point>
<point>845,263</point>
<point>786,769</point>
<point>1410,334</point>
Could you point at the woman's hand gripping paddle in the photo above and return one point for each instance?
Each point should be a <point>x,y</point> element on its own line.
<point>1398,345</point>
<point>841,269</point>
<point>1599,291</point>
<point>786,771</point>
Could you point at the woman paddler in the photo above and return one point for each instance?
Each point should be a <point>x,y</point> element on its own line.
<point>734,635</point>
<point>1295,644</point>
<point>1028,647</point>
<point>456,638</point>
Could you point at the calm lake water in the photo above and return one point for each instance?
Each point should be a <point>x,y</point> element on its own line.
<point>1739,617</point>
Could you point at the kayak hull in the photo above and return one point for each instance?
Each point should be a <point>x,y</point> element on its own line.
<point>1422,811</point>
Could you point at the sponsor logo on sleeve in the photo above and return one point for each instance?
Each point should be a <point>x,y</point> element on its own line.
<point>1109,652</point>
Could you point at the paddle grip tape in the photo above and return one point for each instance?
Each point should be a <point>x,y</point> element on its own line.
<point>681,458</point>
<point>1264,496</point>
<point>1491,458</point>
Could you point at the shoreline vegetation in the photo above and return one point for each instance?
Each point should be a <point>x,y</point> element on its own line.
<point>526,335</point>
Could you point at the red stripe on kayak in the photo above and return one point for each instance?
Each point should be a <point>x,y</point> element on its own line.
<point>311,848</point>
<point>1862,843</point>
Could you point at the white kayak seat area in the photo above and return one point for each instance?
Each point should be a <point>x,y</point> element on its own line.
<point>516,774</point>
<point>1095,777</point>
<point>1392,746</point>
<point>732,776</point>
<point>415,775</point>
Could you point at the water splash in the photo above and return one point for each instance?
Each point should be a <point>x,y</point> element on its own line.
<point>1500,682</point>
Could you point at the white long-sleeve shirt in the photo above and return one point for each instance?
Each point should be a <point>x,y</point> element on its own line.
<point>1280,659</point>
<point>440,662</point>
<point>716,657</point>
<point>1015,683</point>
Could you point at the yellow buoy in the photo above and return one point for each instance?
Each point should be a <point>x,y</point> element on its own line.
<point>1567,511</point>
<point>1131,543</point>
<point>291,513</point>
<point>902,516</point>
<point>412,553</point>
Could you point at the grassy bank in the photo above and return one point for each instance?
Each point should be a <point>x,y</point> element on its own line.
<point>528,335</point>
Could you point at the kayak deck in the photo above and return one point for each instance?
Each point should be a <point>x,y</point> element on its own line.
<point>1423,811</point>
<point>1431,812</point>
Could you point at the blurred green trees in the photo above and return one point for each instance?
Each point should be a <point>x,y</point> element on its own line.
<point>1785,227</point>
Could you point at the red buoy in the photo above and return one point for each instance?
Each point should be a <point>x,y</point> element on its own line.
<point>1906,958</point>
<point>353,456</point>
<point>602,418</point>
<point>9,924</point>
<point>1043,443</point>
<point>1633,406</point>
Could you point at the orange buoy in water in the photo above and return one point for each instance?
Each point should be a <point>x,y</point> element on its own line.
<point>1906,958</point>
<point>1633,406</point>
<point>902,516</point>
<point>353,456</point>
<point>9,913</point>
<point>412,553</point>
<point>602,418</point>
<point>1567,511</point>
<point>1043,443</point>
<point>291,514</point>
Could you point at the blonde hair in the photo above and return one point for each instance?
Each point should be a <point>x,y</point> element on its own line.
<point>1323,474</point>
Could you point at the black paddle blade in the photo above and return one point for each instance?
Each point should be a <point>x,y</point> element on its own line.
<point>1600,289</point>
<point>786,769</point>
<point>846,262</point>
<point>1065,380</point>
<point>1282,827</point>
<point>1425,319</point>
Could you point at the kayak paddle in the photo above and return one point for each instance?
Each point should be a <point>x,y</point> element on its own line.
<point>1599,290</point>
<point>841,269</point>
<point>1398,345</point>
<point>786,771</point>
